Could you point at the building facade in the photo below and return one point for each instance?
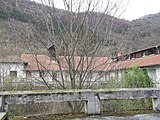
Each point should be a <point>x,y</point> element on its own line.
<point>44,69</point>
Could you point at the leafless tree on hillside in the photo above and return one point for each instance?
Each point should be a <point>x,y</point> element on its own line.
<point>79,34</point>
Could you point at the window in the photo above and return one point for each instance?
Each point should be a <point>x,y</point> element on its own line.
<point>28,74</point>
<point>54,75</point>
<point>41,74</point>
<point>100,74</point>
<point>152,74</point>
<point>13,73</point>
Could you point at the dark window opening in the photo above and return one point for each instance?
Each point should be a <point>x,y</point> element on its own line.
<point>13,73</point>
<point>54,75</point>
<point>28,74</point>
<point>41,74</point>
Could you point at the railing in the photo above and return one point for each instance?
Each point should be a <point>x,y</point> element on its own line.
<point>92,97</point>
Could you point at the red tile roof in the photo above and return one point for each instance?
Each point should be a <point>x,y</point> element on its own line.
<point>85,63</point>
<point>142,62</point>
<point>43,62</point>
<point>36,62</point>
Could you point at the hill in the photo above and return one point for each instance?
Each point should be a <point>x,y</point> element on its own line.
<point>144,32</point>
<point>128,36</point>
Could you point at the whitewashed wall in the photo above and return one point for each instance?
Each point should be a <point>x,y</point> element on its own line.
<point>5,69</point>
<point>118,74</point>
<point>154,73</point>
<point>35,77</point>
<point>95,77</point>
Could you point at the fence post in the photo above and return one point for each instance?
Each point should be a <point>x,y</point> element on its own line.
<point>92,106</point>
<point>2,104</point>
<point>3,108</point>
<point>156,104</point>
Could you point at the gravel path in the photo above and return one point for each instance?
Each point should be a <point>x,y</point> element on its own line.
<point>154,116</point>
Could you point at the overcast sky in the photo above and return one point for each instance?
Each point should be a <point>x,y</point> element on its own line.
<point>139,8</point>
<point>135,8</point>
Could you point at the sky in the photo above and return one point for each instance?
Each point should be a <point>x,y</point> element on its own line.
<point>134,10</point>
<point>138,8</point>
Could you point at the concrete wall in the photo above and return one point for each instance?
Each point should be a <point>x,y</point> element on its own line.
<point>91,97</point>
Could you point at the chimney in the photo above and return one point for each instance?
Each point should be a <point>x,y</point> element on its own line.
<point>52,51</point>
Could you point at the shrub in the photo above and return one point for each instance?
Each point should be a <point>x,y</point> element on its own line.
<point>4,15</point>
<point>136,77</point>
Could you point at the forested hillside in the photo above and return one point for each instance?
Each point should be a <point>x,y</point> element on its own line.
<point>127,36</point>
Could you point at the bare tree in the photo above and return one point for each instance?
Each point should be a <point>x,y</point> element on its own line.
<point>77,35</point>
<point>75,38</point>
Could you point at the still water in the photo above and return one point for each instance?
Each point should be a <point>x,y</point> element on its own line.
<point>153,116</point>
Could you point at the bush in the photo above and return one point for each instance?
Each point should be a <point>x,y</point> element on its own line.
<point>4,15</point>
<point>136,77</point>
<point>115,82</point>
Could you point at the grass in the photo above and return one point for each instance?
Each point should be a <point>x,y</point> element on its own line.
<point>49,111</point>
<point>80,115</point>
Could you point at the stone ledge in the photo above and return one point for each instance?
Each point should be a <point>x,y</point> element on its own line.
<point>3,115</point>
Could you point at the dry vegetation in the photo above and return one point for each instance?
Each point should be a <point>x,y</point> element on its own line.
<point>130,36</point>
